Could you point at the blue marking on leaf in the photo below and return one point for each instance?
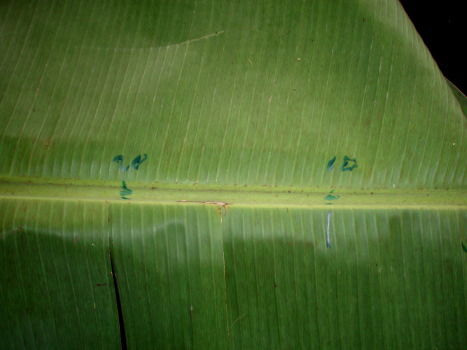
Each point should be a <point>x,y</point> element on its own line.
<point>331,163</point>
<point>126,191</point>
<point>138,160</point>
<point>346,166</point>
<point>118,159</point>
<point>331,197</point>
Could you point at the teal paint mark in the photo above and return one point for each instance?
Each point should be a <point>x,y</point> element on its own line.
<point>119,160</point>
<point>464,247</point>
<point>331,163</point>
<point>126,191</point>
<point>331,197</point>
<point>135,164</point>
<point>347,165</point>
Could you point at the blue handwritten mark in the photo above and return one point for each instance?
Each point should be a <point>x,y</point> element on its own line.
<point>126,191</point>
<point>349,164</point>
<point>331,197</point>
<point>119,160</point>
<point>328,228</point>
<point>135,164</point>
<point>331,163</point>
<point>138,160</point>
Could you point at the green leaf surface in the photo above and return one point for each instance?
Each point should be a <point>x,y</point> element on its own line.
<point>56,289</point>
<point>222,174</point>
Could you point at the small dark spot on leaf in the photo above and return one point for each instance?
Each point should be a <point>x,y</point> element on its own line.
<point>18,229</point>
<point>47,143</point>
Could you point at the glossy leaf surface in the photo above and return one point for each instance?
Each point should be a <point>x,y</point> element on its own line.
<point>228,174</point>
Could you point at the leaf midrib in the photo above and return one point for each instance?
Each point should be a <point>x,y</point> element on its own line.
<point>238,196</point>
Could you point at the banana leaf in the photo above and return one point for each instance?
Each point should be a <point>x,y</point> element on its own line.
<point>197,174</point>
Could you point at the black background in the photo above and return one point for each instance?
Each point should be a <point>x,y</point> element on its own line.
<point>443,30</point>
